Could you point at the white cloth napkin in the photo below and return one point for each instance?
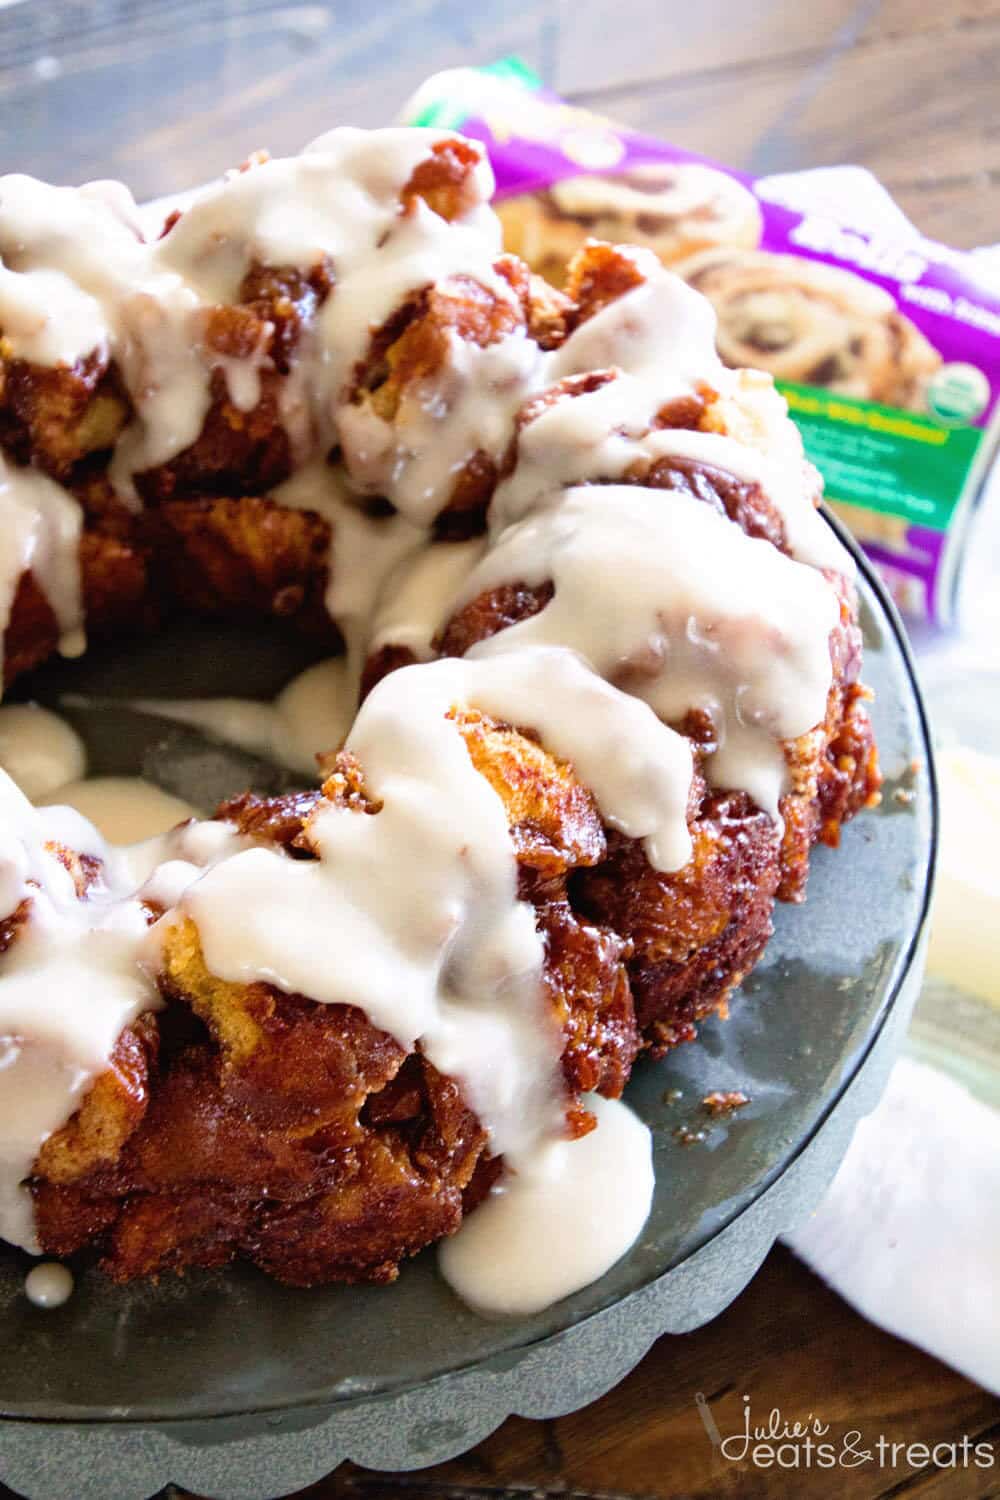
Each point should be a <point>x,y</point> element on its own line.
<point>909,1233</point>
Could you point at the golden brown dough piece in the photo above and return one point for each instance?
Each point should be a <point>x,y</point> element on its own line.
<point>55,417</point>
<point>412,356</point>
<point>215,556</point>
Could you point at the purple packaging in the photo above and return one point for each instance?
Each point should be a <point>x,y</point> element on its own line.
<point>887,349</point>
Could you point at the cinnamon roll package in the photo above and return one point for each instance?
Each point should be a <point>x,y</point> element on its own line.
<point>885,345</point>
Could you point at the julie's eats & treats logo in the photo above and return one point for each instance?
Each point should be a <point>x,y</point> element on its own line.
<point>774,1441</point>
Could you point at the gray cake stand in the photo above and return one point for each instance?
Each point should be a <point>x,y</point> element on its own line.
<point>235,1387</point>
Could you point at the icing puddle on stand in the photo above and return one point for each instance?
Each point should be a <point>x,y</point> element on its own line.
<point>39,750</point>
<point>586,1201</point>
<point>313,712</point>
<point>123,809</point>
<point>48,760</point>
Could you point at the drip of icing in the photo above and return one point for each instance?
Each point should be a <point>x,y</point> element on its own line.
<point>74,975</point>
<point>810,540</point>
<point>48,1285</point>
<point>124,809</point>
<point>627,334</point>
<point>390,584</point>
<point>364,549</point>
<point>659,592</point>
<point>87,285</point>
<point>452,960</point>
<point>40,524</point>
<point>470,410</point>
<point>414,602</point>
<point>659,340</point>
<point>67,254</point>
<point>161,868</point>
<point>559,1221</point>
<point>39,750</point>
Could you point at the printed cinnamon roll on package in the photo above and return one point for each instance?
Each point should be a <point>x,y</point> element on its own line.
<point>885,345</point>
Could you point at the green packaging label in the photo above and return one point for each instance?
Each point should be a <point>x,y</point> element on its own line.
<point>878,457</point>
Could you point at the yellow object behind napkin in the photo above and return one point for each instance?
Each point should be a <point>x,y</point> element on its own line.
<point>965,922</point>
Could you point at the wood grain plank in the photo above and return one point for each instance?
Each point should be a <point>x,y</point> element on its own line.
<point>164,116</point>
<point>655,43</point>
<point>964,211</point>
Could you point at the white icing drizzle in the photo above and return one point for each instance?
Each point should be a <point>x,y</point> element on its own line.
<point>68,256</point>
<point>70,983</point>
<point>390,580</point>
<point>660,606</point>
<point>415,600</point>
<point>39,750</point>
<point>87,285</point>
<point>558,1222</point>
<point>364,549</point>
<point>628,334</point>
<point>40,523</point>
<point>810,540</point>
<point>658,591</point>
<point>661,340</point>
<point>468,409</point>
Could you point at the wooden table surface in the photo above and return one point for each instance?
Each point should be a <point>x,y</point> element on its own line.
<point>166,94</point>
